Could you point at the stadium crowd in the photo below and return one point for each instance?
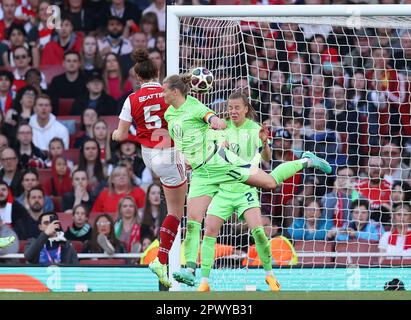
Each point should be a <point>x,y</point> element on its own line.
<point>343,94</point>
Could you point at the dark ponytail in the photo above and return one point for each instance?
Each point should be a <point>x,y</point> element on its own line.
<point>144,67</point>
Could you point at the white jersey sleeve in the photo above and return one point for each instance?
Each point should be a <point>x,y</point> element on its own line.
<point>126,111</point>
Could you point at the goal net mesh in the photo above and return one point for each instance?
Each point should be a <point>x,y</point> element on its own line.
<point>338,87</point>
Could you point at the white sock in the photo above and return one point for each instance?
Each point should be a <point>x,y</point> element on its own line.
<point>269,273</point>
<point>190,270</point>
<point>204,280</point>
<point>308,163</point>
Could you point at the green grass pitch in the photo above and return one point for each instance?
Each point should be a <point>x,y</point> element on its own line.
<point>212,296</point>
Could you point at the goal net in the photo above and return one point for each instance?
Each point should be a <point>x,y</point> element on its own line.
<point>337,86</point>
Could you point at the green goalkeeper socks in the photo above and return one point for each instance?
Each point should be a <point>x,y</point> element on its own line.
<point>287,170</point>
<point>192,243</point>
<point>207,255</point>
<point>263,247</point>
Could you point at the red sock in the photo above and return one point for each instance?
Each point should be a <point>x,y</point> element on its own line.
<point>168,233</point>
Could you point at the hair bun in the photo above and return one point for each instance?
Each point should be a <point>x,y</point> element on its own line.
<point>141,55</point>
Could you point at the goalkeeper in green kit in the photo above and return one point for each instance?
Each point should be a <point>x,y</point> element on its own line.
<point>195,130</point>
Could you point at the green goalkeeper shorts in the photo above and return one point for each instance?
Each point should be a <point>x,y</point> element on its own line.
<point>223,166</point>
<point>225,203</point>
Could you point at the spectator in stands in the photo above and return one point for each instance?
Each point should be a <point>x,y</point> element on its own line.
<point>50,247</point>
<point>402,55</point>
<point>7,231</point>
<point>126,11</point>
<point>29,222</point>
<point>22,60</point>
<point>396,169</point>
<point>6,93</point>
<point>79,195</point>
<point>343,119</point>
<point>56,149</point>
<point>390,87</point>
<point>90,56</point>
<point>278,88</point>
<point>81,229</point>
<point>63,42</point>
<point>4,142</point>
<point>298,73</point>
<point>401,193</point>
<point>151,219</point>
<point>320,139</point>
<point>336,204</point>
<point>119,186</point>
<point>30,179</point>
<point>159,8</point>
<point>299,106</point>
<point>88,119</point>
<point>34,78</point>
<point>361,227</point>
<point>138,41</point>
<point>155,56</point>
<point>357,94</point>
<point>10,172</point>
<point>316,92</point>
<point>115,82</point>
<point>60,182</point>
<point>149,25</point>
<point>273,122</point>
<point>29,155</point>
<point>95,98</point>
<point>41,31</point>
<point>90,162</point>
<point>82,18</point>
<point>360,57</point>
<point>398,239</point>
<point>161,44</point>
<point>102,135</point>
<point>311,226</point>
<point>9,8</point>
<point>293,125</point>
<point>114,41</point>
<point>127,227</point>
<point>129,151</point>
<point>22,108</point>
<point>11,212</point>
<point>71,84</point>
<point>103,237</point>
<point>16,36</point>
<point>45,125</point>
<point>374,188</point>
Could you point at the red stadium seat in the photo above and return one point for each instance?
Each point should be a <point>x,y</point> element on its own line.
<point>50,71</point>
<point>22,245</point>
<point>314,246</point>
<point>72,154</point>
<point>357,246</point>
<point>66,220</point>
<point>57,203</point>
<point>44,175</point>
<point>65,106</point>
<point>110,262</point>
<point>112,122</point>
<point>77,245</point>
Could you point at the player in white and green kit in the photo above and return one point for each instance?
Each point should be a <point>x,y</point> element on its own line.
<point>195,131</point>
<point>249,141</point>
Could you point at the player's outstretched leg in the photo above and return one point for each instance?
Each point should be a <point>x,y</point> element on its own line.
<point>7,241</point>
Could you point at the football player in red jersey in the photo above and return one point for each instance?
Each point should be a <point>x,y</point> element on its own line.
<point>146,107</point>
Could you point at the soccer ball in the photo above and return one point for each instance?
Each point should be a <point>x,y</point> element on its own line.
<point>201,80</point>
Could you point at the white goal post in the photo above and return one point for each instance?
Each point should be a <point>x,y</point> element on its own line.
<point>350,16</point>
